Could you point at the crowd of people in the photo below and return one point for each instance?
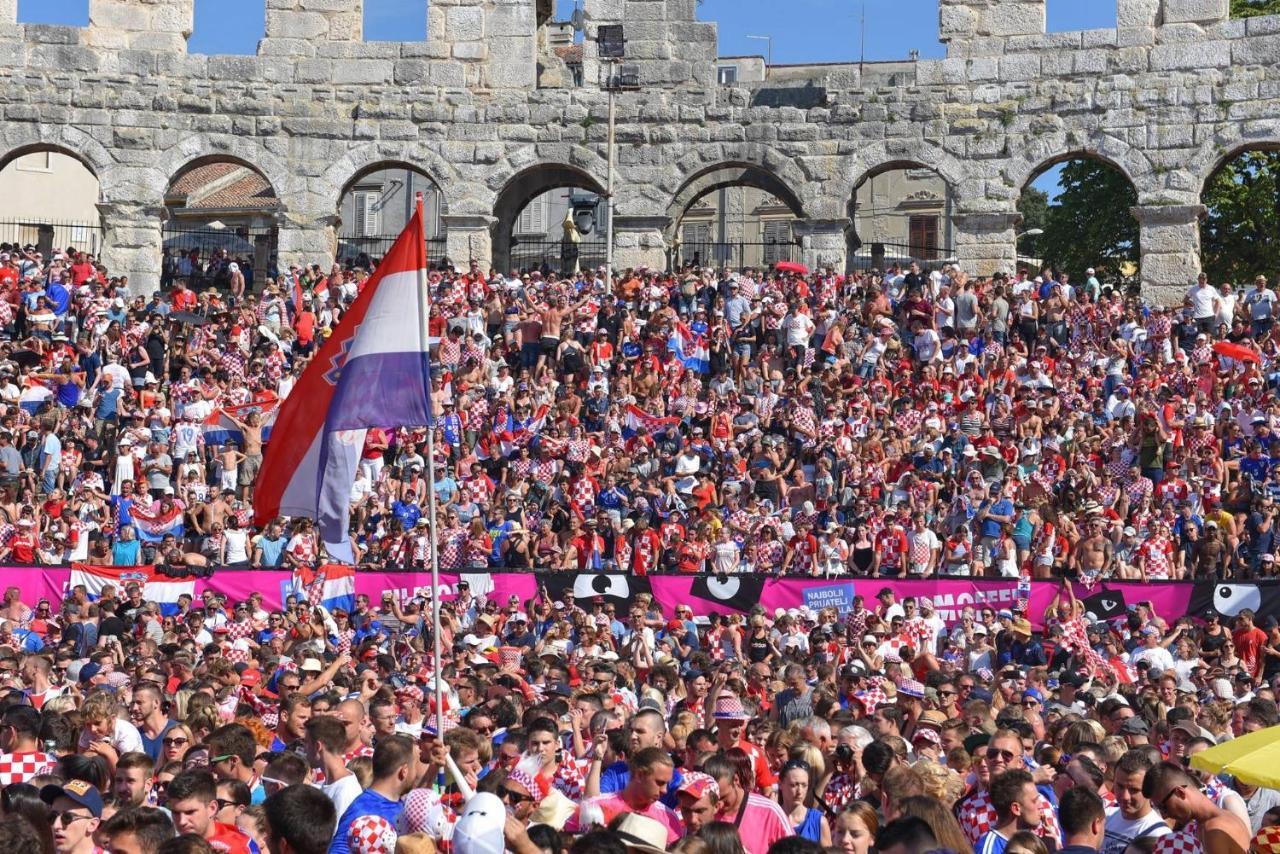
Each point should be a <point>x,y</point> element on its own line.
<point>910,424</point>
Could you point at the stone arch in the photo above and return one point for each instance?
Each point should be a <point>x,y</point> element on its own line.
<point>22,139</point>
<point>1230,250</point>
<point>1229,143</point>
<point>876,158</point>
<point>522,187</point>
<point>888,238</point>
<point>733,173</point>
<point>396,185</point>
<point>287,186</point>
<point>361,161</point>
<point>1046,152</point>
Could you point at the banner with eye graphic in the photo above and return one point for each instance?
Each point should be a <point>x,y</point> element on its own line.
<point>1227,599</point>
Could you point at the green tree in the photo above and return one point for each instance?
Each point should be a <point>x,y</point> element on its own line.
<point>1089,223</point>
<point>1254,8</point>
<point>1034,207</point>
<point>1237,237</point>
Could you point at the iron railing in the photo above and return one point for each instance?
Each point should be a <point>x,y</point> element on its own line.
<point>199,254</point>
<point>737,254</point>
<point>556,256</point>
<point>47,236</point>
<point>366,251</point>
<point>879,256</point>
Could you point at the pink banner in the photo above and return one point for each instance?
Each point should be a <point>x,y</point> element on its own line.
<point>949,596</point>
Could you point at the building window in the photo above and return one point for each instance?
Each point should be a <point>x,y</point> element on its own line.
<point>695,242</point>
<point>727,75</point>
<point>368,210</point>
<point>923,237</point>
<point>533,219</point>
<point>777,241</point>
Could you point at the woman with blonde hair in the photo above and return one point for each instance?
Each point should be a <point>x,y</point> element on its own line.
<point>934,812</point>
<point>855,828</point>
<point>174,744</point>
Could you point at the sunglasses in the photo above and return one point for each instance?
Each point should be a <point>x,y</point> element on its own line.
<point>1002,755</point>
<point>514,797</point>
<point>174,742</point>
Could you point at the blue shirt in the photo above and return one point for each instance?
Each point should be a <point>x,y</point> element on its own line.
<point>988,843</point>
<point>367,802</point>
<point>616,776</point>
<point>125,553</point>
<point>990,527</point>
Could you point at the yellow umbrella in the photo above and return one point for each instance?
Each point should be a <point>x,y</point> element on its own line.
<point>1252,758</point>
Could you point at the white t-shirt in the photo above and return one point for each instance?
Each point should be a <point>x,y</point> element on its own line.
<point>1202,300</point>
<point>342,792</point>
<point>126,738</point>
<point>1120,831</point>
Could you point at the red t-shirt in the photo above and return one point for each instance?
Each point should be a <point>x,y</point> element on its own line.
<point>229,838</point>
<point>1248,645</point>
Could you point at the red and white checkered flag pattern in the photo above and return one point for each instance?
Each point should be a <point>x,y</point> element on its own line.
<point>371,834</point>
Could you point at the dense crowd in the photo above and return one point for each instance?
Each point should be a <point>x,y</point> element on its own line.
<point>907,424</point>
<point>910,423</point>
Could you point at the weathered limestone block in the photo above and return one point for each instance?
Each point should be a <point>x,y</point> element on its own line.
<point>1195,11</point>
<point>468,238</point>
<point>159,25</point>
<point>638,241</point>
<point>1169,238</point>
<point>301,27</point>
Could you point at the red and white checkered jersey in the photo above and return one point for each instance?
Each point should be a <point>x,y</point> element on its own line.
<point>21,767</point>
<point>978,815</point>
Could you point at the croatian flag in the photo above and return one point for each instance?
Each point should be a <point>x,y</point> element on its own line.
<point>525,433</point>
<point>218,428</point>
<point>156,588</point>
<point>690,348</point>
<point>33,397</point>
<point>153,525</point>
<point>373,371</point>
<point>332,585</point>
<point>634,418</point>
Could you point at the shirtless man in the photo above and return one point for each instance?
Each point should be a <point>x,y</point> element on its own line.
<point>251,430</point>
<point>1095,555</point>
<point>1202,825</point>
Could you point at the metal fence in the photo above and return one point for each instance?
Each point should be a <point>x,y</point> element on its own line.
<point>879,256</point>
<point>47,236</point>
<point>365,251</point>
<point>189,249</point>
<point>554,255</point>
<point>737,255</point>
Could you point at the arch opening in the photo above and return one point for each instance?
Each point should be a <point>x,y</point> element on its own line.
<point>376,205</point>
<point>1079,203</point>
<point>734,215</point>
<point>1242,215</point>
<point>900,213</point>
<point>533,215</point>
<point>220,211</point>
<point>51,201</point>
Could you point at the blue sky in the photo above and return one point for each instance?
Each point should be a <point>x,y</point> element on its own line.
<point>801,30</point>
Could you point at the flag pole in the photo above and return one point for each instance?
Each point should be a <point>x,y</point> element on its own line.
<point>424,315</point>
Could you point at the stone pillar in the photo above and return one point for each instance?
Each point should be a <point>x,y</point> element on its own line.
<point>638,241</point>
<point>1169,242</point>
<point>162,25</point>
<point>823,243</point>
<point>8,14</point>
<point>986,243</point>
<point>978,27</point>
<point>301,27</point>
<point>304,240</point>
<point>133,240</point>
<point>469,238</point>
